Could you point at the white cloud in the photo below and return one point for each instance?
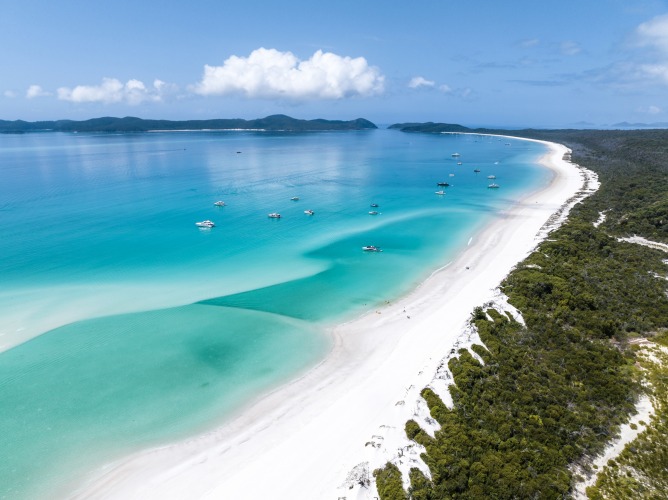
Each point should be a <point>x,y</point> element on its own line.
<point>418,81</point>
<point>446,89</point>
<point>36,91</point>
<point>658,71</point>
<point>9,94</point>
<point>654,110</point>
<point>654,33</point>
<point>570,48</point>
<point>112,90</point>
<point>269,73</point>
<point>531,42</point>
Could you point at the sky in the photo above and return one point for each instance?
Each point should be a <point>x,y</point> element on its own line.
<point>518,63</point>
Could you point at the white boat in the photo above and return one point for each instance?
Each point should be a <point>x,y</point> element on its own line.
<point>373,212</point>
<point>371,248</point>
<point>205,223</point>
<point>309,212</point>
<point>274,215</point>
<point>374,205</point>
<point>491,176</point>
<point>220,204</point>
<point>295,198</point>
<point>441,192</point>
<point>493,186</point>
<point>459,163</point>
<point>455,155</point>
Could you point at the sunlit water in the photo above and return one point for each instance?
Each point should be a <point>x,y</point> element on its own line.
<point>145,328</point>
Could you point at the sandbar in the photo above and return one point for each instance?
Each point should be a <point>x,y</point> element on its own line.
<point>302,440</point>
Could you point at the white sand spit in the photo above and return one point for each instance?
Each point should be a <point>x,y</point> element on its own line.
<point>328,430</point>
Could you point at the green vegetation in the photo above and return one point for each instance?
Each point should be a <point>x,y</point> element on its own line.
<point>554,392</point>
<point>133,124</point>
<point>388,482</point>
<point>641,470</point>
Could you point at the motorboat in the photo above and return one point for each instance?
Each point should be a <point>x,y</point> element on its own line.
<point>371,248</point>
<point>476,170</point>
<point>205,223</point>
<point>455,155</point>
<point>374,205</point>
<point>459,163</point>
<point>493,186</point>
<point>445,184</point>
<point>491,176</point>
<point>220,204</point>
<point>309,212</point>
<point>274,215</point>
<point>441,192</point>
<point>295,198</point>
<point>373,212</point>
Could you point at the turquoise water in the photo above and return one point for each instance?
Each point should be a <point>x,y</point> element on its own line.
<point>145,328</point>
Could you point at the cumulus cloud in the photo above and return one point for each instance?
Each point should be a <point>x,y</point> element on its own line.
<point>269,73</point>
<point>36,91</point>
<point>653,35</point>
<point>112,90</point>
<point>418,81</point>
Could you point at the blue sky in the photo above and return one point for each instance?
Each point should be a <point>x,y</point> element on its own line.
<point>515,63</point>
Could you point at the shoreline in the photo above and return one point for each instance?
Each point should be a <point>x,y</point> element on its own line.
<point>305,438</point>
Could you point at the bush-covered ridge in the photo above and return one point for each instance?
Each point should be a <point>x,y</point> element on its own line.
<point>133,124</point>
<point>554,392</point>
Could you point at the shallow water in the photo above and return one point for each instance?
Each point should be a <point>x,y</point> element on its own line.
<point>147,329</point>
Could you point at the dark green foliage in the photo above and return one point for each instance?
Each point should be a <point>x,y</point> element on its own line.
<point>591,284</point>
<point>133,124</point>
<point>641,470</point>
<point>415,432</point>
<point>540,401</point>
<point>388,483</point>
<point>478,313</point>
<point>421,487</point>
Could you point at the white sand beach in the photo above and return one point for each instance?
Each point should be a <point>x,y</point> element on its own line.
<point>303,440</point>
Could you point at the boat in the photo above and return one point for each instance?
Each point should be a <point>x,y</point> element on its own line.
<point>491,176</point>
<point>493,186</point>
<point>374,205</point>
<point>205,223</point>
<point>274,215</point>
<point>476,170</point>
<point>295,198</point>
<point>442,184</point>
<point>220,203</point>
<point>371,248</point>
<point>373,212</point>
<point>309,212</point>
<point>451,175</point>
<point>459,163</point>
<point>455,155</point>
<point>441,192</point>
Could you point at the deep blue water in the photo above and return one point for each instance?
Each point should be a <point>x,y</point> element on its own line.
<point>145,328</point>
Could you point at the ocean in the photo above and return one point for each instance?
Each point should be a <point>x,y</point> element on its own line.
<point>123,325</point>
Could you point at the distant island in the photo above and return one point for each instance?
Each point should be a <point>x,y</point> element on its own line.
<point>134,124</point>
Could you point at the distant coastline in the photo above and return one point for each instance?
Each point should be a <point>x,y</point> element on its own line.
<point>133,124</point>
